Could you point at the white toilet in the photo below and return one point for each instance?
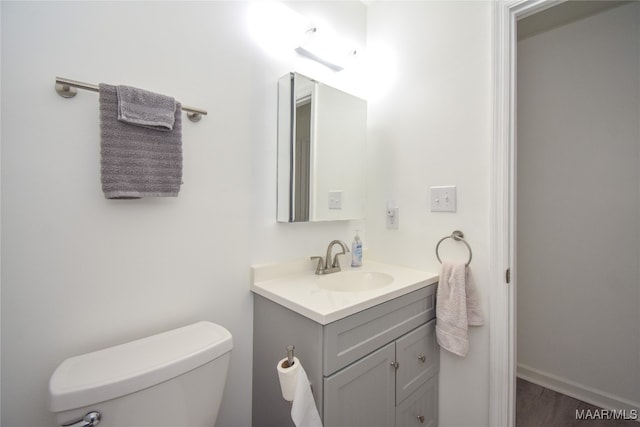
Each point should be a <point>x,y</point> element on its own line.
<point>172,379</point>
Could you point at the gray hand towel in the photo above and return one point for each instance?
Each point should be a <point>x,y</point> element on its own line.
<point>137,161</point>
<point>143,108</point>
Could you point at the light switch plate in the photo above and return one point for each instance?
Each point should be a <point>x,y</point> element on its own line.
<point>443,198</point>
<point>335,199</point>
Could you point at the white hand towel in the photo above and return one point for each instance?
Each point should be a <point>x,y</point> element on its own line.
<point>457,308</point>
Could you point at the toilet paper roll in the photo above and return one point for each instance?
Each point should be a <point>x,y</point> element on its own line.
<point>288,378</point>
<point>304,412</point>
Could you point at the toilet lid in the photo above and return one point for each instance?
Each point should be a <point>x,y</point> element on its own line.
<point>116,371</point>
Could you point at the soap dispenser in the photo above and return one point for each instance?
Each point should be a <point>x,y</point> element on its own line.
<point>356,251</point>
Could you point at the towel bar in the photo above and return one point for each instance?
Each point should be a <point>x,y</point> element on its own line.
<point>458,236</point>
<point>66,88</point>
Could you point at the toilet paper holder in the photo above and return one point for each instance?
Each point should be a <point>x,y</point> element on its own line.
<point>298,390</point>
<point>289,362</point>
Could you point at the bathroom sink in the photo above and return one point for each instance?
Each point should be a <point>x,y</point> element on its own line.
<point>334,296</point>
<point>354,281</point>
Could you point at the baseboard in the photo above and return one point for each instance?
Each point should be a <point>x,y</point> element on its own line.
<point>579,391</point>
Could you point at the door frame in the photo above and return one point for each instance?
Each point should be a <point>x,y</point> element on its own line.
<point>502,326</point>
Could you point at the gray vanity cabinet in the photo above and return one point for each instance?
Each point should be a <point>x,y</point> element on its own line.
<point>394,386</point>
<point>378,367</point>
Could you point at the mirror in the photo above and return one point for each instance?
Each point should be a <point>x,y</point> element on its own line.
<point>321,151</point>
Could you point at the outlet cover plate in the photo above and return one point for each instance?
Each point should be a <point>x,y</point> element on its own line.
<point>393,218</point>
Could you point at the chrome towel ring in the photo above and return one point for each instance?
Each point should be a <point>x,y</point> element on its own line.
<point>458,236</point>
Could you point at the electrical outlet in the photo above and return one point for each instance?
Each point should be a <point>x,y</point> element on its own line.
<point>443,199</point>
<point>393,215</point>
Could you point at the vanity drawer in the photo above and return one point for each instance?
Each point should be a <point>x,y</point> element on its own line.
<point>353,337</point>
<point>418,357</point>
<point>420,409</point>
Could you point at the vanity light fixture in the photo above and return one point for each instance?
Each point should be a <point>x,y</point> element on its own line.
<point>325,47</point>
<point>277,29</point>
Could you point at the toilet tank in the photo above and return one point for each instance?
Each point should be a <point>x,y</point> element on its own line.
<point>175,378</point>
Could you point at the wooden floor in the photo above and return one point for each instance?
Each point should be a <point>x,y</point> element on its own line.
<point>537,406</point>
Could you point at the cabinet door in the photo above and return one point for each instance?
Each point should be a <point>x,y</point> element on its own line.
<point>420,409</point>
<point>362,394</point>
<point>419,357</point>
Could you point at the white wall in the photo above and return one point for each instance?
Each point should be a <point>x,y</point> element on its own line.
<point>81,272</point>
<point>432,127</point>
<point>579,206</point>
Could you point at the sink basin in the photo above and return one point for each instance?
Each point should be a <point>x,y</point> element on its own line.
<point>354,281</point>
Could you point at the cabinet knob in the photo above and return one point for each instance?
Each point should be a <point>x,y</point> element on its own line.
<point>421,418</point>
<point>396,365</point>
<point>422,358</point>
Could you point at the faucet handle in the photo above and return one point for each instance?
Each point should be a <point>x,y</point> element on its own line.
<point>320,266</point>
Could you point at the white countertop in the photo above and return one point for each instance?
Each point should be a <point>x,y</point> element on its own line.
<point>295,286</point>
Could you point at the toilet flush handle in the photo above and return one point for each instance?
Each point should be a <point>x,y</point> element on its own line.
<point>91,419</point>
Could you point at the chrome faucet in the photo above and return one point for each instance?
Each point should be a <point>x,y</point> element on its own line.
<point>326,268</point>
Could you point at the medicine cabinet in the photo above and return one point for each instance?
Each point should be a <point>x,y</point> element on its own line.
<point>321,151</point>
